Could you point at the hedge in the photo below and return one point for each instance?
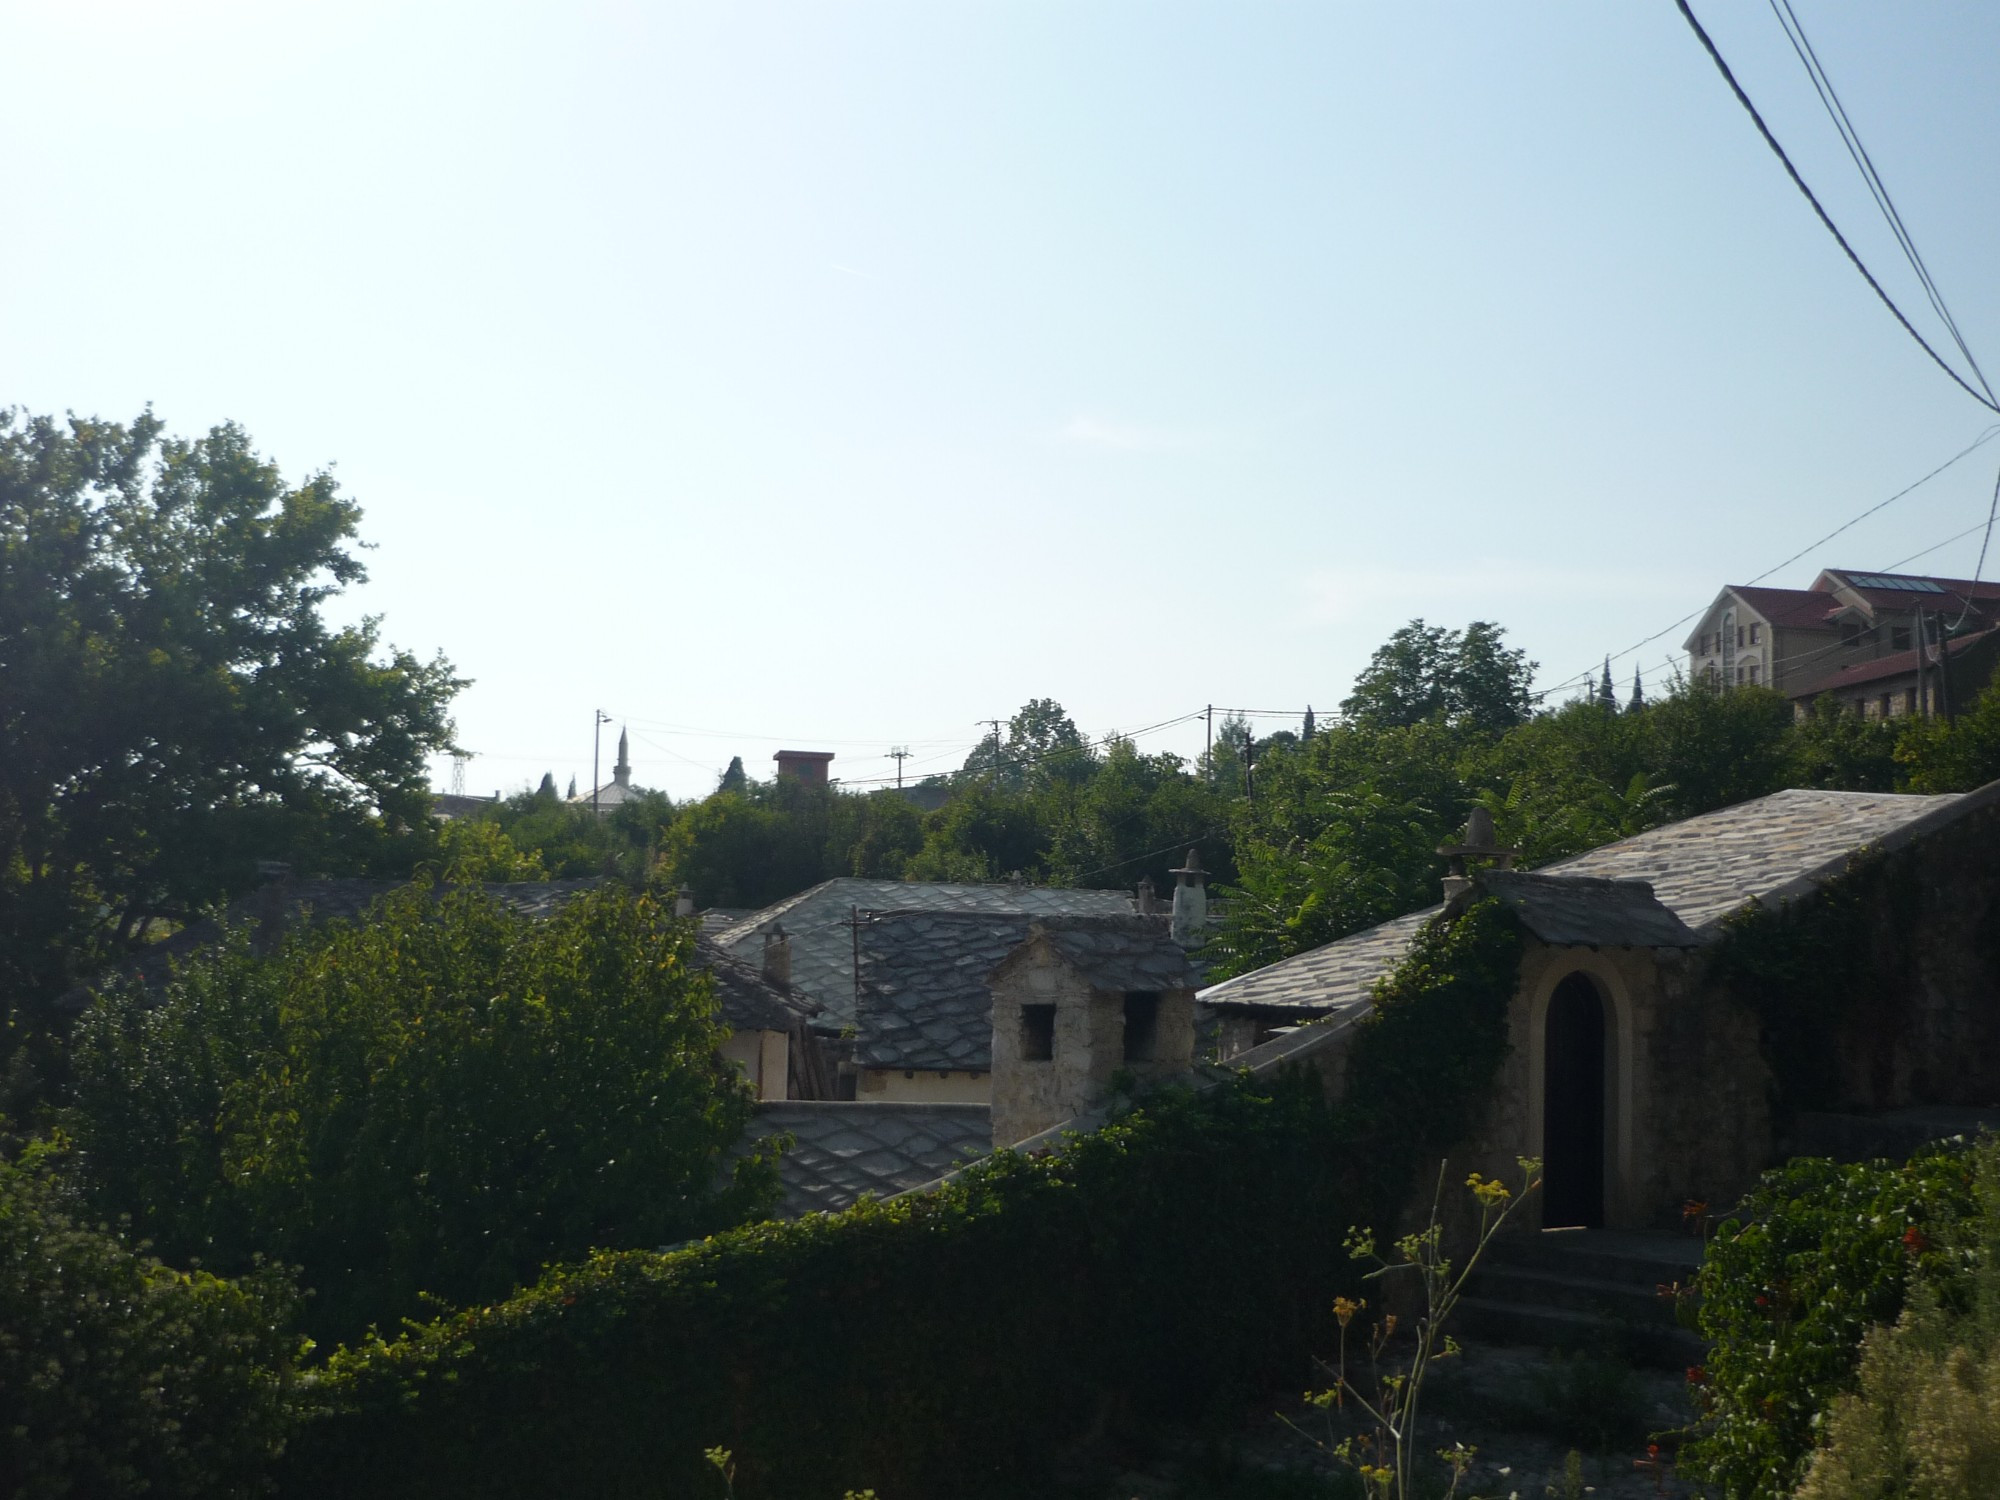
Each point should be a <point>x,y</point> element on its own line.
<point>981,1339</point>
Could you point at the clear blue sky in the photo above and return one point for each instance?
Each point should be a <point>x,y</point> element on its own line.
<point>836,375</point>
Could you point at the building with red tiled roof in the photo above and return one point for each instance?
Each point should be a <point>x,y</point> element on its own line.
<point>1855,635</point>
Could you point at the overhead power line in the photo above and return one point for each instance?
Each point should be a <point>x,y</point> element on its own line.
<point>1985,399</point>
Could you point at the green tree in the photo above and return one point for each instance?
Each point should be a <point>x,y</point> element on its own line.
<point>1937,756</point>
<point>120,1376</point>
<point>1842,752</point>
<point>436,1101</point>
<point>1466,678</point>
<point>1714,747</point>
<point>173,706</point>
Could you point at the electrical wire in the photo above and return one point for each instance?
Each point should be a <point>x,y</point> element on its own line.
<point>1715,55</point>
<point>1795,33</point>
<point>1985,437</point>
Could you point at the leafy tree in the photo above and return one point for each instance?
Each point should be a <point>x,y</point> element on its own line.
<point>173,707</point>
<point>1842,752</point>
<point>473,849</point>
<point>1714,747</point>
<point>1466,678</point>
<point>1937,756</point>
<point>120,1376</point>
<point>546,792</point>
<point>435,1102</point>
<point>734,779</point>
<point>1569,780</point>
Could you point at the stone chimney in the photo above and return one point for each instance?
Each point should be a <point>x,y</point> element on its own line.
<point>1478,841</point>
<point>777,955</point>
<point>1190,915</point>
<point>683,902</point>
<point>1148,901</point>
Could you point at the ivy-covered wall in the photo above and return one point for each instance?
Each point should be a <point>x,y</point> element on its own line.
<point>1882,990</point>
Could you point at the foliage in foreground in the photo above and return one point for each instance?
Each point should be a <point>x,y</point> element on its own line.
<point>1821,1252</point>
<point>965,1341</point>
<point>1924,1422</point>
<point>121,1377</point>
<point>434,1103</point>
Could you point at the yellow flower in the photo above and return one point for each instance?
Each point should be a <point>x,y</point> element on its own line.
<point>1344,1308</point>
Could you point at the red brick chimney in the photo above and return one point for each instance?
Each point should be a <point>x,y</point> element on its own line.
<point>808,766</point>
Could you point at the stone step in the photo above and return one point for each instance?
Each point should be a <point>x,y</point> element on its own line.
<point>1648,1261</point>
<point>1495,1322</point>
<point>1530,1286</point>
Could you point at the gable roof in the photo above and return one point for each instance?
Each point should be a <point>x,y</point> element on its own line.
<point>820,924</point>
<point>924,1001</point>
<point>1700,870</point>
<point>1587,911</point>
<point>844,1150</point>
<point>1896,664</point>
<point>1119,952</point>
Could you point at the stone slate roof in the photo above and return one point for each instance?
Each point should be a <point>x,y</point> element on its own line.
<point>1700,869</point>
<point>817,921</point>
<point>844,1149</point>
<point>749,1001</point>
<point>1122,953</point>
<point>1579,910</point>
<point>924,999</point>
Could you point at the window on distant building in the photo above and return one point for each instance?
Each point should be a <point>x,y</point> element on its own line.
<point>1753,674</point>
<point>1756,634</point>
<point>1142,1025</point>
<point>1850,635</point>
<point>1885,705</point>
<point>1038,1033</point>
<point>1899,637</point>
<point>1739,635</point>
<point>1739,675</point>
<point>1909,700</point>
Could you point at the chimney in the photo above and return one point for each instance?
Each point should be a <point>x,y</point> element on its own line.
<point>1149,901</point>
<point>1190,913</point>
<point>1478,841</point>
<point>777,955</point>
<point>683,902</point>
<point>808,767</point>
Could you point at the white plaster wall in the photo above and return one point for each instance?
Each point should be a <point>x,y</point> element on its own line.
<point>763,1057</point>
<point>918,1086</point>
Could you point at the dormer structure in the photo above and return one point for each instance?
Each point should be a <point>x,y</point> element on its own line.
<point>1080,1001</point>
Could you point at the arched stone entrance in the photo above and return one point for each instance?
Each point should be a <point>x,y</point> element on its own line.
<point>1574,1118</point>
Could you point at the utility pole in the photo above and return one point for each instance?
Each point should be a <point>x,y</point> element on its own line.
<point>1923,660</point>
<point>596,736</point>
<point>1208,752</point>
<point>902,753</point>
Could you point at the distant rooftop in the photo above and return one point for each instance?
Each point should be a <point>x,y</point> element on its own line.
<point>924,999</point>
<point>819,923</point>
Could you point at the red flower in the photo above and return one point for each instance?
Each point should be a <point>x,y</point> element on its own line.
<point>1915,1241</point>
<point>1697,1375</point>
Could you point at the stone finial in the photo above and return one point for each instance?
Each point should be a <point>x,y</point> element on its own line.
<point>777,955</point>
<point>1149,900</point>
<point>1478,841</point>
<point>683,902</point>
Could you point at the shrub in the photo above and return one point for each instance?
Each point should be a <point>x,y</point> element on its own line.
<point>437,1101</point>
<point>120,1376</point>
<point>1821,1252</point>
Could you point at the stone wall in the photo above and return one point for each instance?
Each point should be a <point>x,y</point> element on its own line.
<point>1029,1095</point>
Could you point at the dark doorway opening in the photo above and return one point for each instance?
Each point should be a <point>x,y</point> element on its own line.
<point>1573,1106</point>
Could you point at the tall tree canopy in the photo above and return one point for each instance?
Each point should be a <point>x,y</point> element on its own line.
<point>173,706</point>
<point>1465,677</point>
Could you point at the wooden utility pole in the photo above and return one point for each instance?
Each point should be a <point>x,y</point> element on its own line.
<point>902,753</point>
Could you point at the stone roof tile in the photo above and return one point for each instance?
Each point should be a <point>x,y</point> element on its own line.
<point>845,1150</point>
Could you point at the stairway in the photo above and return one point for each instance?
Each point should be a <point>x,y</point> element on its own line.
<point>1584,1289</point>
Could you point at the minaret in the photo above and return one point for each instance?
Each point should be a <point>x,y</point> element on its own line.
<point>622,772</point>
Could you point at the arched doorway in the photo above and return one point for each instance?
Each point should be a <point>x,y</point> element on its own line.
<point>1573,1098</point>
